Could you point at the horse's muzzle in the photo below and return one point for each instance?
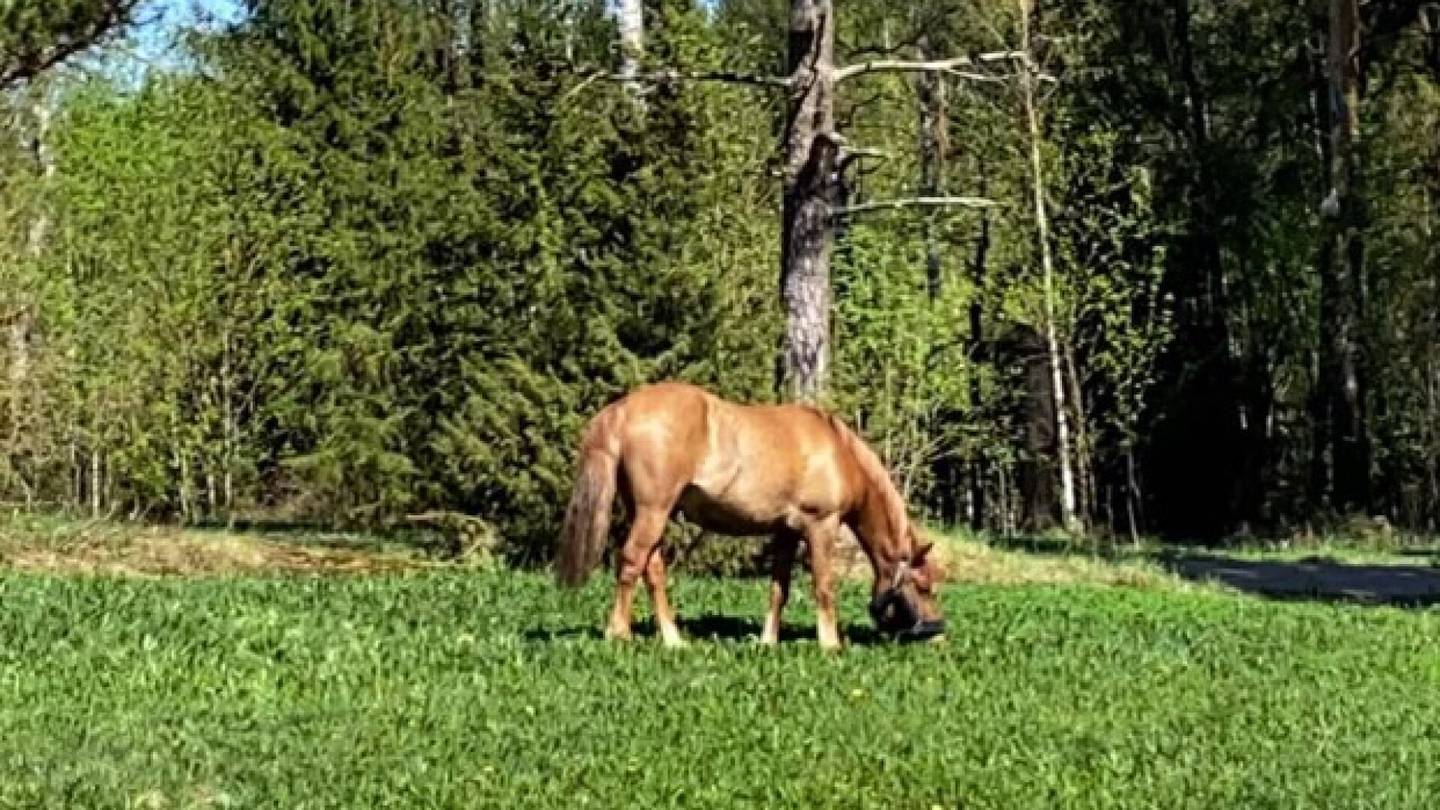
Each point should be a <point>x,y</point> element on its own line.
<point>896,615</point>
<point>923,630</point>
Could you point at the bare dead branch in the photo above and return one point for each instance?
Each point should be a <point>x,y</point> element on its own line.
<point>25,62</point>
<point>582,84</point>
<point>970,75</point>
<point>951,65</point>
<point>914,202</point>
<point>726,76</point>
<point>849,157</point>
<point>862,152</point>
<point>672,76</point>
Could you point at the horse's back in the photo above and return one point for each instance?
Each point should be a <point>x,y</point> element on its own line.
<point>767,466</point>
<point>783,428</point>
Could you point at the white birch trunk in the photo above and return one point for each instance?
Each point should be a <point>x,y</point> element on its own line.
<point>630,16</point>
<point>1068,517</point>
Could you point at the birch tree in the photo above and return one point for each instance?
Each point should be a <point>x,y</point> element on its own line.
<point>1056,359</point>
<point>36,36</point>
<point>630,17</point>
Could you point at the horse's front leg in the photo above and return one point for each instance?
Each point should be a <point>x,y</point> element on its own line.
<point>820,537</point>
<point>782,563</point>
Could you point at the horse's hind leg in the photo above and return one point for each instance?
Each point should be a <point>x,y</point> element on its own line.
<point>634,559</point>
<point>782,563</point>
<point>659,601</point>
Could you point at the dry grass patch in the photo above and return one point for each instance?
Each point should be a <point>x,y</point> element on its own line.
<point>167,551</point>
<point>975,563</point>
<point>105,548</point>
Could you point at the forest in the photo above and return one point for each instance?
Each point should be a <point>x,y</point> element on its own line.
<point>1146,268</point>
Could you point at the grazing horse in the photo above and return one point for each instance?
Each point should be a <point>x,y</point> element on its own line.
<point>788,471</point>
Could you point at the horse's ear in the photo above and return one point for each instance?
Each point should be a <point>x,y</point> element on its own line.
<point>918,558</point>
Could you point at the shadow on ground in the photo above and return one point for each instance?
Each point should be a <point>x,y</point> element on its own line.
<point>715,627</point>
<point>1314,578</point>
<point>1044,545</point>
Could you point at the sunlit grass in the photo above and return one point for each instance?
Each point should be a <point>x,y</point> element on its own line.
<point>457,688</point>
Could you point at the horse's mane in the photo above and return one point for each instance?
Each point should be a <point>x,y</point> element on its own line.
<point>878,478</point>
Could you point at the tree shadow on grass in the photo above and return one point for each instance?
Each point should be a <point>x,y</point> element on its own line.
<point>312,534</point>
<point>1109,549</point>
<point>1314,579</point>
<point>712,627</point>
<point>1430,554</point>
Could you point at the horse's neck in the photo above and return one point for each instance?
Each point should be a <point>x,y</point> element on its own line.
<point>881,523</point>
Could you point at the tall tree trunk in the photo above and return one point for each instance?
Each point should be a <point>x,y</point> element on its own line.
<point>1320,124</point>
<point>20,331</point>
<point>980,468</point>
<point>934,144</point>
<point>95,483</point>
<point>1064,460</point>
<point>454,18</point>
<point>1342,429</point>
<point>630,16</point>
<point>811,147</point>
<point>1430,25</point>
<point>1207,247</point>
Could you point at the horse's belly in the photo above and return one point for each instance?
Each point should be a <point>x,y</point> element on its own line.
<point>759,480</point>
<point>729,516</point>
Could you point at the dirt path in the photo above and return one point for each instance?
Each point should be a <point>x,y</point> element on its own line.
<point>1315,578</point>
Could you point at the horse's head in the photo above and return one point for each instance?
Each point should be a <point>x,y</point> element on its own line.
<point>905,599</point>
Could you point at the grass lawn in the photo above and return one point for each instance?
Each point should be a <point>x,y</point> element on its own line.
<point>442,686</point>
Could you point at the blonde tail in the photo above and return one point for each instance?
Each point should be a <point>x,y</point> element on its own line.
<point>587,517</point>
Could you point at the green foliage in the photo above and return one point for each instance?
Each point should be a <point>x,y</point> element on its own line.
<point>1405,305</point>
<point>458,689</point>
<point>154,279</point>
<point>902,369</point>
<point>341,285</point>
<point>362,259</point>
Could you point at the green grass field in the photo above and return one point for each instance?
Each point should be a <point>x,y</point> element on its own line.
<point>466,688</point>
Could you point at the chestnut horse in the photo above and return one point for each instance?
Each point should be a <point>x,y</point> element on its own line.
<point>788,471</point>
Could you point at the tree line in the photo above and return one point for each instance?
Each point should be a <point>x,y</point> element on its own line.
<point>1157,267</point>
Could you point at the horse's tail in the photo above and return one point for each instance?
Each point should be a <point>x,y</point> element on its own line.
<point>587,517</point>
